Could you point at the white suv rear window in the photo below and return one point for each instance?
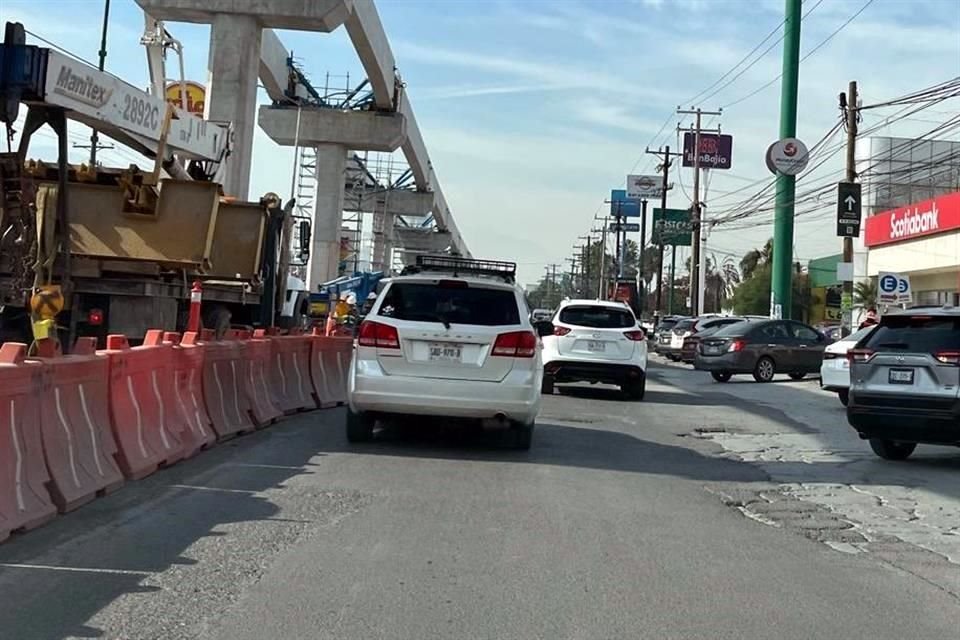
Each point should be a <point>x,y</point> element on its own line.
<point>450,302</point>
<point>598,317</point>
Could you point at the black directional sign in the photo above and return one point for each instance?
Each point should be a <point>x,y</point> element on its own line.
<point>849,207</point>
<point>627,227</point>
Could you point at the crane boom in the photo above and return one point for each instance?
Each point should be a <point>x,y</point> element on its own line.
<point>116,108</point>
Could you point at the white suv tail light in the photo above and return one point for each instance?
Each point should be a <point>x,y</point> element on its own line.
<point>375,334</point>
<point>516,344</point>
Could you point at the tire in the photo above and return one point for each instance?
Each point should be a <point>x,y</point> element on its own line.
<point>891,450</point>
<point>797,376</point>
<point>721,376</point>
<point>634,390</point>
<point>359,426</point>
<point>547,386</point>
<point>522,436</point>
<point>765,370</point>
<point>844,395</point>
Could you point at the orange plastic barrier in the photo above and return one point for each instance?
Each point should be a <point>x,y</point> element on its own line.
<point>223,386</point>
<point>146,428</point>
<point>290,373</point>
<point>263,406</point>
<point>78,444</point>
<point>197,433</point>
<point>329,363</point>
<point>24,501</point>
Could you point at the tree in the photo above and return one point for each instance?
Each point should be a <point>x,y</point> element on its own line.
<point>865,294</point>
<point>752,295</point>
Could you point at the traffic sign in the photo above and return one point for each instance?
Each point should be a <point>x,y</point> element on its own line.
<point>894,288</point>
<point>628,227</point>
<point>849,207</point>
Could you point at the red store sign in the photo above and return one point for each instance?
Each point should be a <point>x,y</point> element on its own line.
<point>926,218</point>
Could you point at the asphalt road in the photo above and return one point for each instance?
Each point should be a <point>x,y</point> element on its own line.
<point>707,511</point>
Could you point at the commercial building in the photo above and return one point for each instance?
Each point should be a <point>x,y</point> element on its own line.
<point>912,215</point>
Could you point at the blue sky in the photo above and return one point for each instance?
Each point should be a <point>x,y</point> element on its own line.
<point>533,110</point>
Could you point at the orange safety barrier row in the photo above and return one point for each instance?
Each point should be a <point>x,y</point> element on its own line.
<point>73,427</point>
<point>264,407</point>
<point>290,373</point>
<point>329,364</point>
<point>141,398</point>
<point>188,356</point>
<point>78,443</point>
<point>228,405</point>
<point>24,501</point>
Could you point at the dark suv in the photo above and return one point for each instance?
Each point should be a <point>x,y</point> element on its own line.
<point>904,381</point>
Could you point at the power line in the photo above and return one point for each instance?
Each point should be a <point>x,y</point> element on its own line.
<point>807,55</point>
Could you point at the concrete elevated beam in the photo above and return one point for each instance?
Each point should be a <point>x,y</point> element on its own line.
<point>398,202</point>
<point>370,40</point>
<point>304,15</point>
<point>273,64</point>
<point>367,130</point>
<point>419,241</point>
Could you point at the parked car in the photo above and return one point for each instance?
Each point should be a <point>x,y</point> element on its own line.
<point>835,369</point>
<point>904,381</point>
<point>763,348</point>
<point>703,329</point>
<point>680,331</point>
<point>661,335</point>
<point>451,338</point>
<point>598,342</point>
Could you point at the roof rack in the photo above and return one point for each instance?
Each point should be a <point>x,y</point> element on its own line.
<point>471,266</point>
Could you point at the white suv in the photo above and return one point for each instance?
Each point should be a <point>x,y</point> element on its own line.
<point>596,341</point>
<point>452,338</point>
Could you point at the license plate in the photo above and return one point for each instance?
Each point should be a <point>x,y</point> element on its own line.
<point>446,352</point>
<point>901,376</point>
<point>713,350</point>
<point>594,345</point>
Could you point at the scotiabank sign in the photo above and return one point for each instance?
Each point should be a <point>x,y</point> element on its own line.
<point>925,218</point>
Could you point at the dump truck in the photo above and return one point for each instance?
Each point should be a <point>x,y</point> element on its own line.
<point>94,250</point>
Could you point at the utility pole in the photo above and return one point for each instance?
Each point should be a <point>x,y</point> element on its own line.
<point>641,282</point>
<point>781,286</point>
<point>603,257</point>
<point>851,115</point>
<point>94,138</point>
<point>665,162</point>
<point>673,278</point>
<point>695,283</point>
<point>585,266</point>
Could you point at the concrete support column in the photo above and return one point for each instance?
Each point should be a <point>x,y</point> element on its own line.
<point>389,221</point>
<point>327,214</point>
<point>233,69</point>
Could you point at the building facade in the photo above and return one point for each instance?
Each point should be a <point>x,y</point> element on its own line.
<point>911,207</point>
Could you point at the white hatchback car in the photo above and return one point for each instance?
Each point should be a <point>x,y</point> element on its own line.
<point>835,370</point>
<point>452,338</point>
<point>598,342</point>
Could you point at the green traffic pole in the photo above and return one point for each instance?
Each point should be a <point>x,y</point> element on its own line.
<point>673,266</point>
<point>782,281</point>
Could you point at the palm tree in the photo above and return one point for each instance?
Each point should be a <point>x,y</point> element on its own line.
<point>865,294</point>
<point>756,258</point>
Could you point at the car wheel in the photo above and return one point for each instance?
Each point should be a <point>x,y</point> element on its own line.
<point>721,376</point>
<point>844,395</point>
<point>522,436</point>
<point>765,370</point>
<point>635,389</point>
<point>359,426</point>
<point>797,376</point>
<point>546,387</point>
<point>890,450</point>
